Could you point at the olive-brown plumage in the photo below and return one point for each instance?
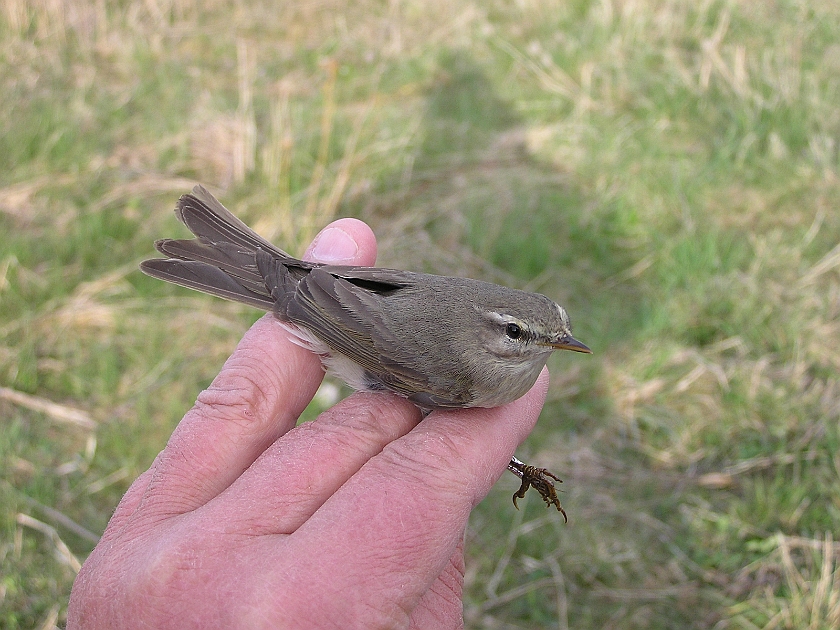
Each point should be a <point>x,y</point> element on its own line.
<point>442,342</point>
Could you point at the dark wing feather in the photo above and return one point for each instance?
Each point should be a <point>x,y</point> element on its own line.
<point>344,313</point>
<point>375,279</point>
<point>325,303</point>
<point>320,306</point>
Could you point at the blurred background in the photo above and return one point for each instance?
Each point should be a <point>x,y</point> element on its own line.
<point>667,170</point>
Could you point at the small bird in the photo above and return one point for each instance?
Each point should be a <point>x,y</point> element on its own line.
<point>441,342</point>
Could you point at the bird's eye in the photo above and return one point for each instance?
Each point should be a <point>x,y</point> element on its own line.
<point>514,331</point>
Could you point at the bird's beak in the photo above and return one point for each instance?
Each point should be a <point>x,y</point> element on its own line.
<point>567,342</point>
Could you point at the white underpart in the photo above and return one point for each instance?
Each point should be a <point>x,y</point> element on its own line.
<point>336,364</point>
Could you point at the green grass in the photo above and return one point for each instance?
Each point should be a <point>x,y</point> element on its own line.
<point>668,171</point>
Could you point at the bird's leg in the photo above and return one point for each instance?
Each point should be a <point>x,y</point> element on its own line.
<point>540,479</point>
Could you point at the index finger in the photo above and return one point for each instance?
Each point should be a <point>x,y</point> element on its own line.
<point>257,397</point>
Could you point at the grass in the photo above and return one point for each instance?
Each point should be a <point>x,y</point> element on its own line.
<point>668,171</point>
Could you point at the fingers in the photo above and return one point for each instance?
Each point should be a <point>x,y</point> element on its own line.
<point>258,396</point>
<point>298,473</point>
<point>343,242</point>
<point>391,529</point>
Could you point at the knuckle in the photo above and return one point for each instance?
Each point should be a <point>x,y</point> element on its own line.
<point>239,398</point>
<point>375,418</point>
<point>432,458</point>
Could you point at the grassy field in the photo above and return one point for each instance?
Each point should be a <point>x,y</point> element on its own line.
<point>666,170</point>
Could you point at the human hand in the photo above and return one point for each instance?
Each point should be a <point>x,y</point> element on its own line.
<point>353,520</point>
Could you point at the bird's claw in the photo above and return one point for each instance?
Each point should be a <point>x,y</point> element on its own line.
<point>541,480</point>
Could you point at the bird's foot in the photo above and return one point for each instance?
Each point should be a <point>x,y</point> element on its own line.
<point>540,479</point>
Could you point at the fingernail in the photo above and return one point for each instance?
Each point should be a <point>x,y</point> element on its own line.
<point>334,245</point>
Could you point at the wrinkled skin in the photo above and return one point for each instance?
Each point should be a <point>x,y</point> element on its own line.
<point>354,520</point>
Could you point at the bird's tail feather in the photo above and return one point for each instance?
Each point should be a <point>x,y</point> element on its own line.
<point>221,261</point>
<point>211,222</point>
